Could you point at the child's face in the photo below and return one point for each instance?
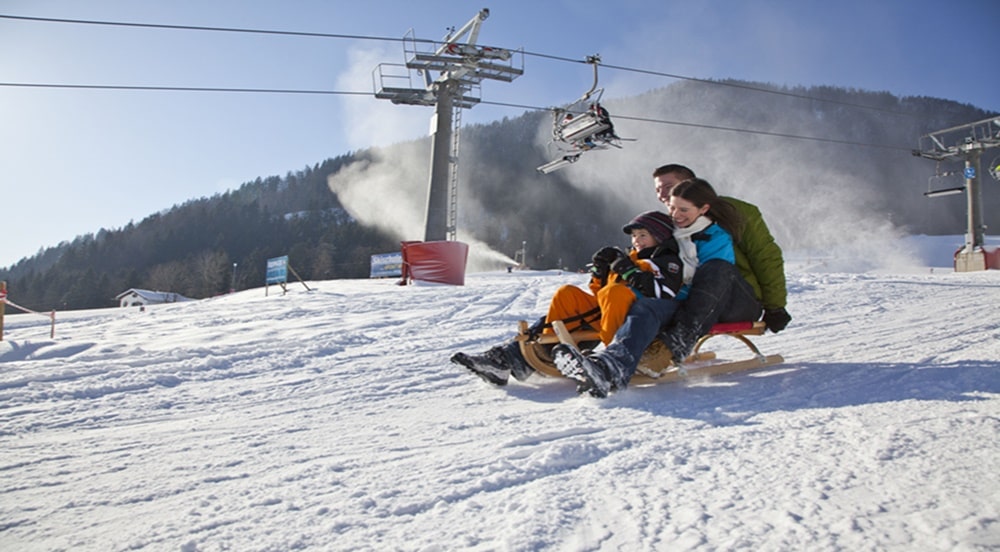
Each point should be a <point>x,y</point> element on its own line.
<point>641,239</point>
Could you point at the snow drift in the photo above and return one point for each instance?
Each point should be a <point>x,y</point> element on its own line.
<point>332,420</point>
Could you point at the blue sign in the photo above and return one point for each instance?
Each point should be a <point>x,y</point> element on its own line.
<point>277,270</point>
<point>387,265</point>
<point>970,172</point>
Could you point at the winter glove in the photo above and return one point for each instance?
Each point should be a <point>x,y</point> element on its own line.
<point>776,319</point>
<point>536,328</point>
<point>643,282</point>
<point>623,266</point>
<point>637,279</point>
<point>602,260</point>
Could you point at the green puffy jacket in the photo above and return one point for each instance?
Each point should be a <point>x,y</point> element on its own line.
<point>759,258</point>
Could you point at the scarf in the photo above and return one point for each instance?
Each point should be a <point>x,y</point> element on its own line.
<point>688,249</point>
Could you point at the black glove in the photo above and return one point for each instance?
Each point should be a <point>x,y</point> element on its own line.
<point>776,319</point>
<point>623,266</point>
<point>536,328</point>
<point>644,282</point>
<point>638,279</point>
<point>602,260</point>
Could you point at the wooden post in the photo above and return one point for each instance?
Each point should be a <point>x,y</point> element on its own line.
<point>298,277</point>
<point>3,305</point>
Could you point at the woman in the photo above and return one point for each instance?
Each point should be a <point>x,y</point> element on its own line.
<point>705,227</point>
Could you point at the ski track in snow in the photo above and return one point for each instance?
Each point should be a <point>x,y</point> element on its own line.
<point>332,420</point>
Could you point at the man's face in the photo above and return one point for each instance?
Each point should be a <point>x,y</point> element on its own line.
<point>665,183</point>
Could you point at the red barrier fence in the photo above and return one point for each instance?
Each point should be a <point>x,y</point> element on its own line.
<point>440,262</point>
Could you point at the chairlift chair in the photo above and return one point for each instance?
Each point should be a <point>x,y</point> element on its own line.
<point>582,126</point>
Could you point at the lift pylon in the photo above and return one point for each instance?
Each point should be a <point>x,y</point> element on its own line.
<point>967,143</point>
<point>461,67</point>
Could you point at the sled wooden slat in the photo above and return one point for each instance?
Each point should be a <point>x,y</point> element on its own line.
<point>655,365</point>
<point>551,338</point>
<point>674,374</point>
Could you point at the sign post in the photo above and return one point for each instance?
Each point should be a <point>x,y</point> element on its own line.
<point>277,273</point>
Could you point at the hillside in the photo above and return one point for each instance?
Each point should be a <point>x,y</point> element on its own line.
<point>332,420</point>
<point>856,185</point>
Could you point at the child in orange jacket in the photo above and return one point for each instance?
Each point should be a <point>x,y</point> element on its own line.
<point>652,268</point>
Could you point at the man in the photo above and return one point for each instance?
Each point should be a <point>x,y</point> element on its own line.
<point>757,254</point>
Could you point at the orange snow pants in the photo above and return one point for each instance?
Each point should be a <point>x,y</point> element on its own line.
<point>609,307</point>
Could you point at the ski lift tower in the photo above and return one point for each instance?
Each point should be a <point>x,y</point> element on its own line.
<point>969,141</point>
<point>461,67</point>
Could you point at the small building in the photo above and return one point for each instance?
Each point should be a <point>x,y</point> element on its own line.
<point>142,297</point>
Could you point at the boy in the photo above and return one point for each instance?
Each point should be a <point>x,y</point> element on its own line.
<point>652,268</point>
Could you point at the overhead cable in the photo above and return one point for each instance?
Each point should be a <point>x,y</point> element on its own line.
<point>484,102</point>
<point>427,41</point>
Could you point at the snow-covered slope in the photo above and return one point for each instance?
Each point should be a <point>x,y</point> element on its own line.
<point>332,420</point>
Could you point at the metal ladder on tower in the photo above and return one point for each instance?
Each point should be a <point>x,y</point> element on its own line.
<point>456,120</point>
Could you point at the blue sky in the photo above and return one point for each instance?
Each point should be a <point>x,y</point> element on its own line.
<point>74,161</point>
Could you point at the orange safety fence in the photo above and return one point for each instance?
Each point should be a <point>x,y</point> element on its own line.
<point>4,300</point>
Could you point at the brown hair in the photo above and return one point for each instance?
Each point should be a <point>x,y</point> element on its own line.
<point>700,193</point>
<point>684,172</point>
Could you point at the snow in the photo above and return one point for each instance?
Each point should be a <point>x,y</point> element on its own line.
<point>332,420</point>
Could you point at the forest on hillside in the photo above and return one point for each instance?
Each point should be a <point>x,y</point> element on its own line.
<point>331,217</point>
<point>203,247</point>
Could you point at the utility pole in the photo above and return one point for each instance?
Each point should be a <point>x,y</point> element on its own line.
<point>461,66</point>
<point>968,143</point>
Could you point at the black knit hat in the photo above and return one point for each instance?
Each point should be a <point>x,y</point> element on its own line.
<point>660,225</point>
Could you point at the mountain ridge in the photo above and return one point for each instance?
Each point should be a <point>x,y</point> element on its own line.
<point>771,149</point>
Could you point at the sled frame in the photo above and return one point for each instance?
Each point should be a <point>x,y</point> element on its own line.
<point>655,366</point>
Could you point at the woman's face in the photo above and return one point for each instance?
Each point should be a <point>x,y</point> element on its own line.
<point>684,212</point>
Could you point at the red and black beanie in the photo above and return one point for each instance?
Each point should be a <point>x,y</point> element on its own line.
<point>660,225</point>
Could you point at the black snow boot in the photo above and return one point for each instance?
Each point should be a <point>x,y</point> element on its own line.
<point>489,366</point>
<point>591,373</point>
<point>680,339</point>
<point>519,368</point>
<point>497,364</point>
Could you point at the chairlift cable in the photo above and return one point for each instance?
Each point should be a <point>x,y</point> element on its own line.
<point>428,41</point>
<point>202,28</point>
<point>180,88</point>
<point>715,127</point>
<point>484,102</point>
<point>721,83</point>
<point>768,133</point>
